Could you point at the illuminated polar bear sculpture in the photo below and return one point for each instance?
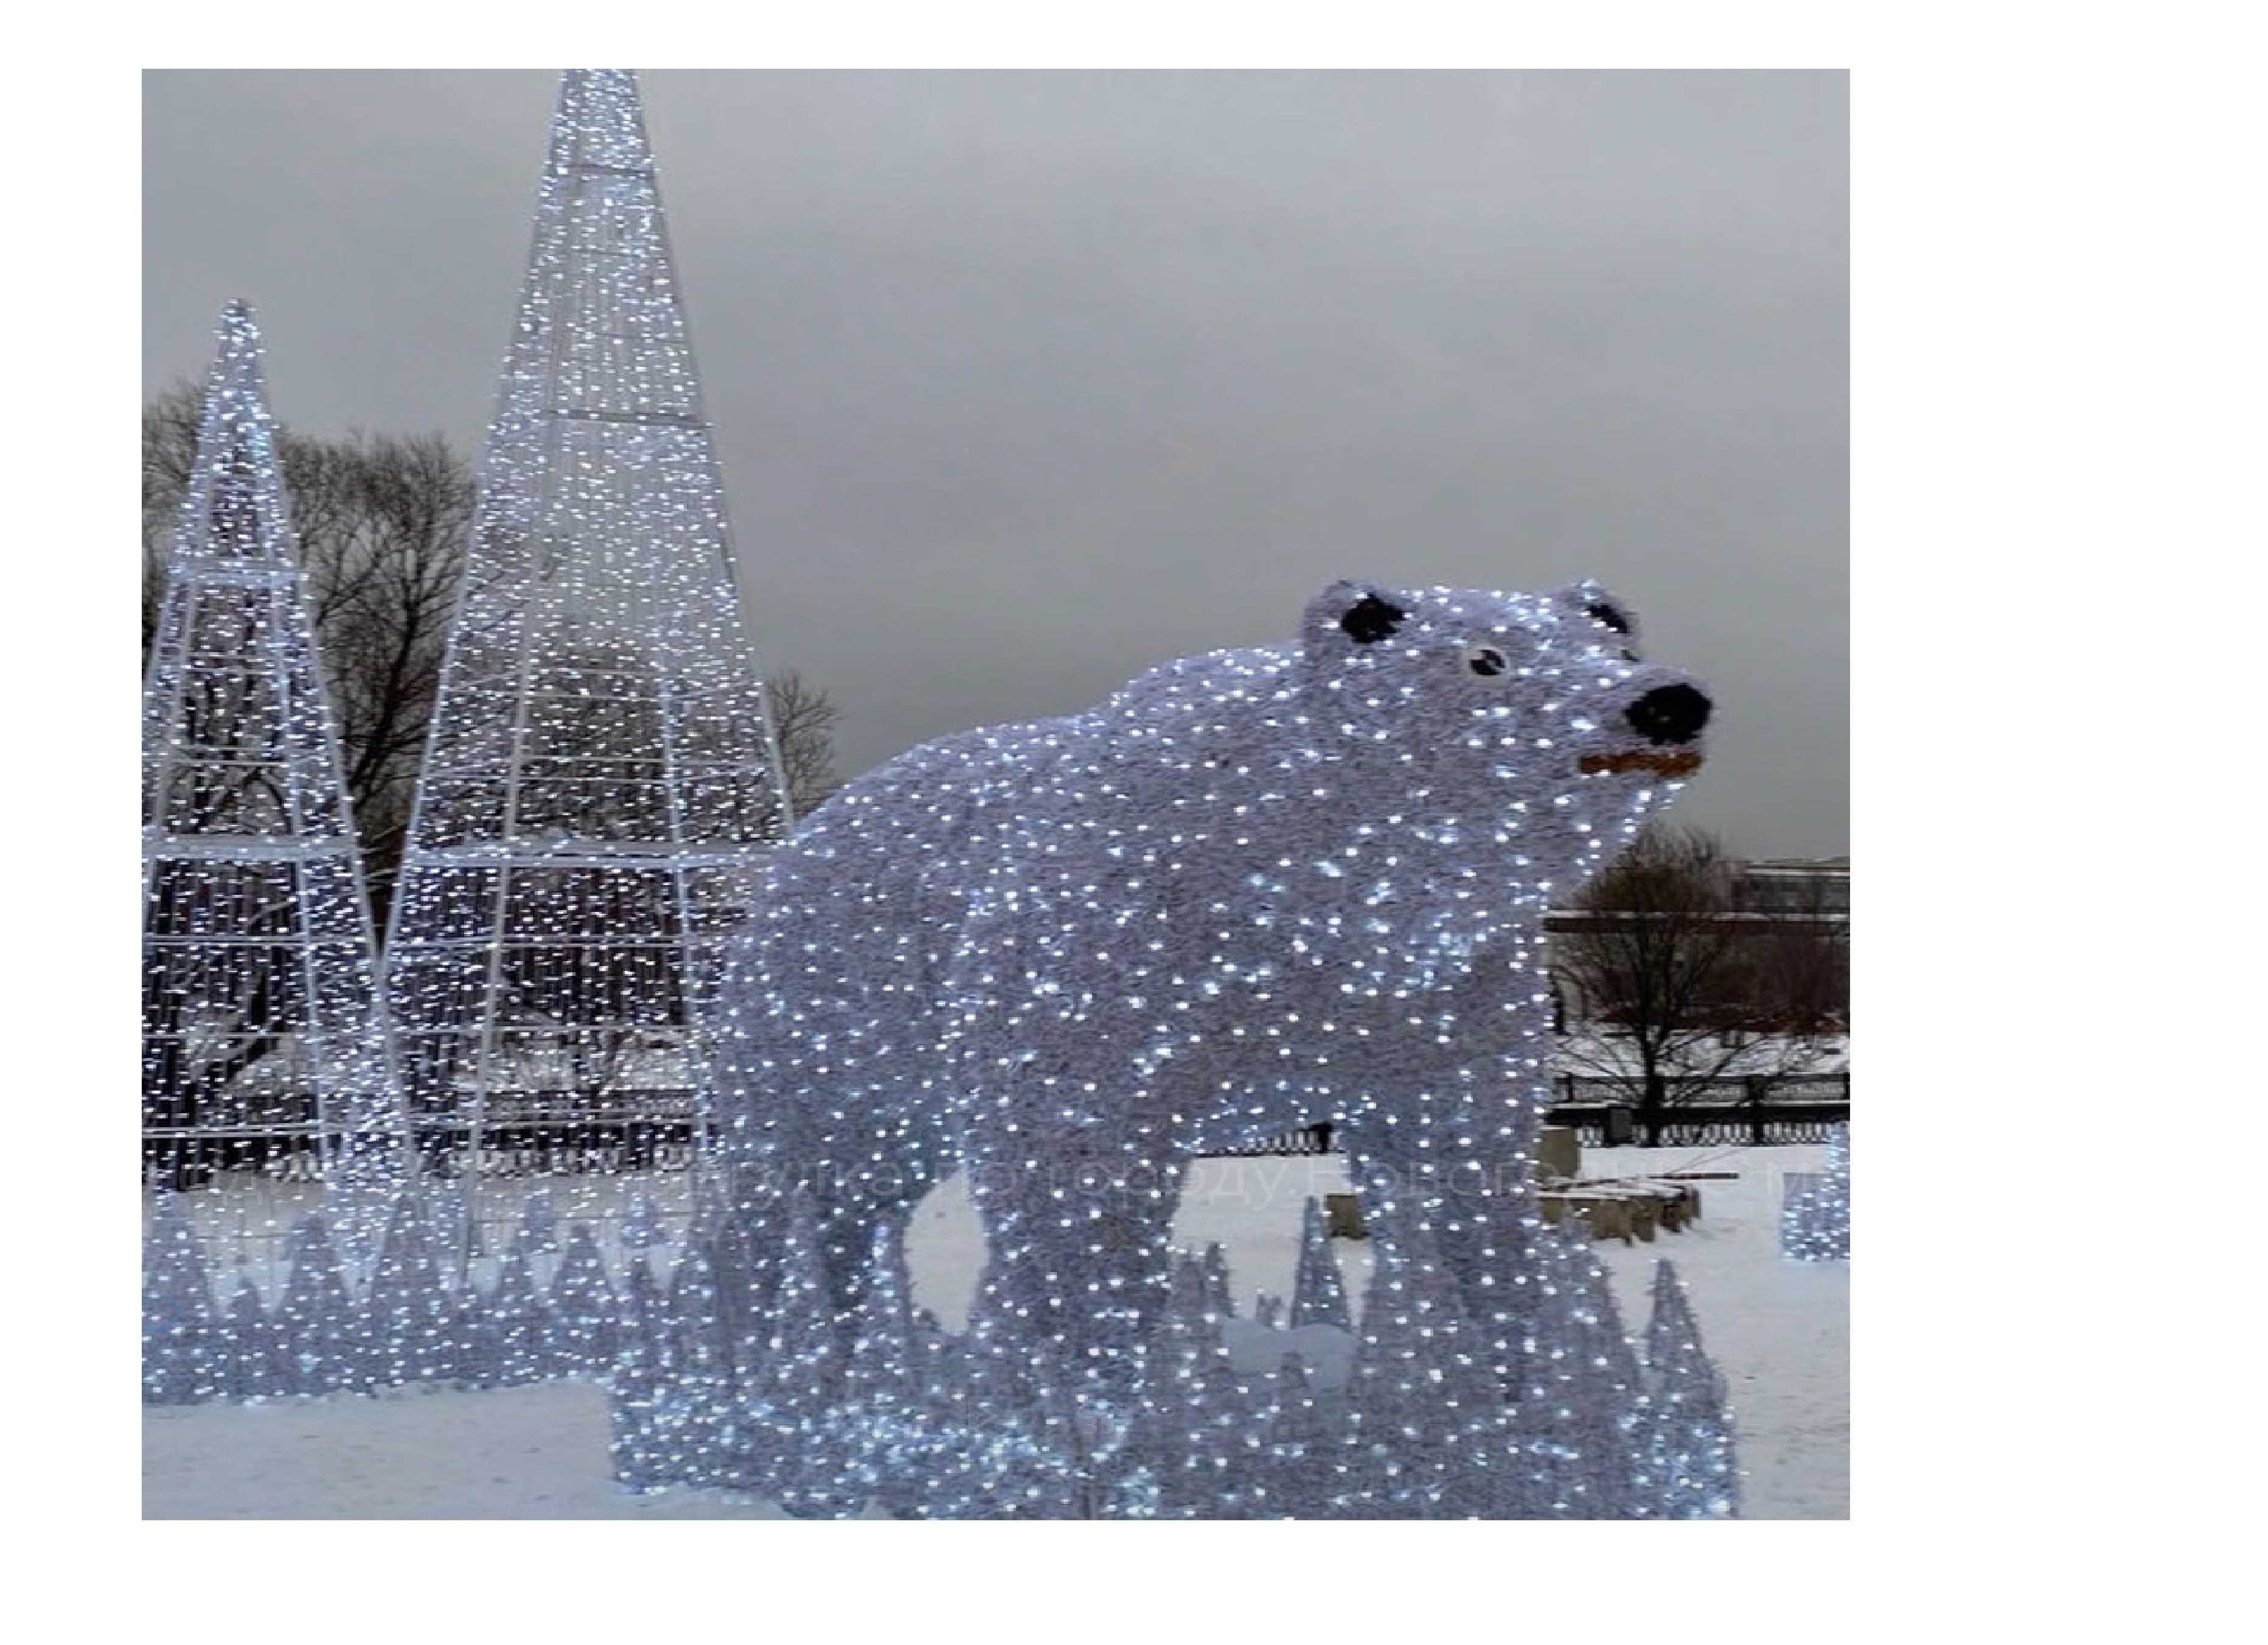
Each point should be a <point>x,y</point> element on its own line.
<point>1253,891</point>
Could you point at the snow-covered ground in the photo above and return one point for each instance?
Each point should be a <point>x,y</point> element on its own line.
<point>1779,1331</point>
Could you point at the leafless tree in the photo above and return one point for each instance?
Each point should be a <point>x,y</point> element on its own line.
<point>803,720</point>
<point>1679,988</point>
<point>1795,971</point>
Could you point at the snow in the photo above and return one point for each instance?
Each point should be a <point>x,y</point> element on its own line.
<point>1778,1330</point>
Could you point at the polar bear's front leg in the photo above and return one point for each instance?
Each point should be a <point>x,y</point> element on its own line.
<point>1079,1250</point>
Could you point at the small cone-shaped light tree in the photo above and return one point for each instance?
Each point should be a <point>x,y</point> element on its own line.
<point>1378,1396</point>
<point>1577,1399</point>
<point>263,1031</point>
<point>538,1227</point>
<point>518,1325</point>
<point>1468,1436</point>
<point>315,1320</point>
<point>1815,1221</point>
<point>1179,1433</point>
<point>1318,1293</point>
<point>178,1334</point>
<point>1425,1406</point>
<point>1217,1296</point>
<point>743,1299</point>
<point>1607,1393</point>
<point>586,1327</point>
<point>601,786</point>
<point>642,1227</point>
<point>638,1393</point>
<point>251,1364</point>
<point>1690,1425</point>
<point>414,1328</point>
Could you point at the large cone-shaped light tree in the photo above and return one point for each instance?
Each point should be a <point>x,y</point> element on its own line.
<point>263,1031</point>
<point>600,786</point>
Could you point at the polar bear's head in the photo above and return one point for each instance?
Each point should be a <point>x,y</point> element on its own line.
<point>1526,724</point>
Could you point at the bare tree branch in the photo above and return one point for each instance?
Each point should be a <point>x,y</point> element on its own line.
<point>1681,987</point>
<point>803,721</point>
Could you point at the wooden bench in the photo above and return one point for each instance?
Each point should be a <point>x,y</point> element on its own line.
<point>1628,1212</point>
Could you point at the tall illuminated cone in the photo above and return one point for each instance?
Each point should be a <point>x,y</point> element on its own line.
<point>262,1032</point>
<point>601,784</point>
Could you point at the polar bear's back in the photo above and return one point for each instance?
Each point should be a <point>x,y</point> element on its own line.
<point>846,983</point>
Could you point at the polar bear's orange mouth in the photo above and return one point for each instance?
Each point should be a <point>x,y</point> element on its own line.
<point>1665,763</point>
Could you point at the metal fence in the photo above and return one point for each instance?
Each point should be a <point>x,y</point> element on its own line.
<point>1610,1125</point>
<point>535,1135</point>
<point>1579,1089</point>
<point>568,1139</point>
<point>1306,1140</point>
<point>1601,1113</point>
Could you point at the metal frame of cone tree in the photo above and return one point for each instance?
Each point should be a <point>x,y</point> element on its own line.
<point>601,784</point>
<point>264,1040</point>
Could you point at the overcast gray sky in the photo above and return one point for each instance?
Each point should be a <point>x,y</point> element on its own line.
<point>1025,382</point>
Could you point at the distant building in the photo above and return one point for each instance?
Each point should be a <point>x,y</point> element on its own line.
<point>1791,888</point>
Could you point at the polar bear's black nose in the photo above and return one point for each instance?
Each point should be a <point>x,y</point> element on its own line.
<point>1668,713</point>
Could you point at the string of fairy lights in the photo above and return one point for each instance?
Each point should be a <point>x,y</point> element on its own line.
<point>1252,892</point>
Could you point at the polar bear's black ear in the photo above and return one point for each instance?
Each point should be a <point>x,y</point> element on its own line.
<point>1592,601</point>
<point>1347,615</point>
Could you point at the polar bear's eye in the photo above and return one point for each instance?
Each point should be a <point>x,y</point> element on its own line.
<point>1599,611</point>
<point>1484,659</point>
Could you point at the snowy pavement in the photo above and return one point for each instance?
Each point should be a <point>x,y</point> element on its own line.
<point>1778,1330</point>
